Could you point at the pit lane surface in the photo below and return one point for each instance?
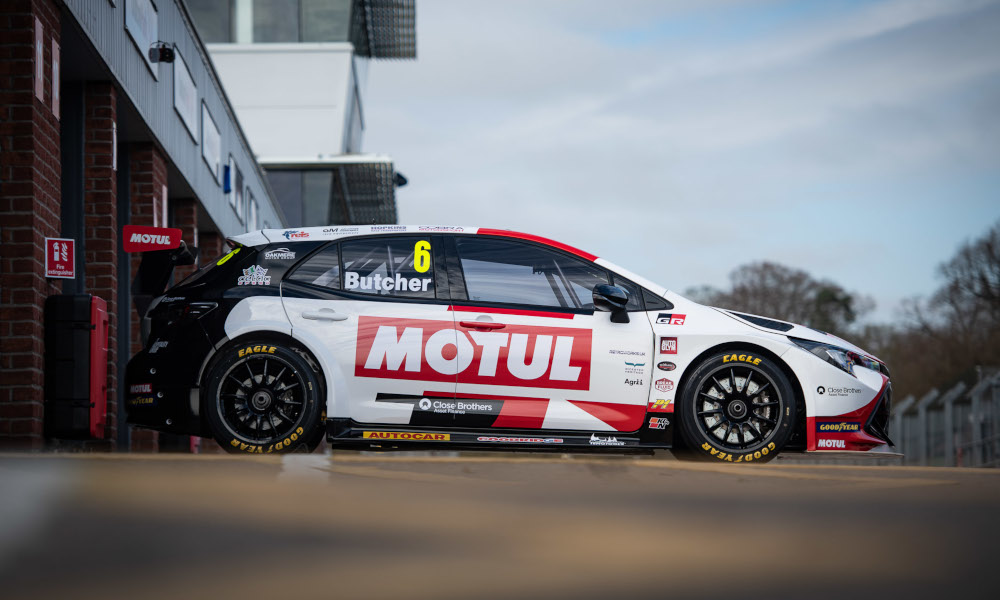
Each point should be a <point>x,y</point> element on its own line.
<point>356,525</point>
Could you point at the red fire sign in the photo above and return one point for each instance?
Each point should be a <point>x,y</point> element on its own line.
<point>60,258</point>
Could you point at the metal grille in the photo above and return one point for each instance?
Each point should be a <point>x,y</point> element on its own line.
<point>363,194</point>
<point>384,28</point>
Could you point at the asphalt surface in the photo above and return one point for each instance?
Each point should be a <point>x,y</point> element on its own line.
<point>353,525</point>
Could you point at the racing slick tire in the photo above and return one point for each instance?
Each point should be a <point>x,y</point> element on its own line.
<point>737,406</point>
<point>262,397</point>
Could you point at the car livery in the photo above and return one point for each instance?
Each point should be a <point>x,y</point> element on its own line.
<point>394,336</point>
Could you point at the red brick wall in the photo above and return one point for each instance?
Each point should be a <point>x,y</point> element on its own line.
<point>185,217</point>
<point>100,213</point>
<point>30,174</point>
<point>147,177</point>
<point>211,244</point>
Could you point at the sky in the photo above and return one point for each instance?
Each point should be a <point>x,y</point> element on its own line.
<point>859,141</point>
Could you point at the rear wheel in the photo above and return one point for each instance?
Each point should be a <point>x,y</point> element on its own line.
<point>263,397</point>
<point>737,407</point>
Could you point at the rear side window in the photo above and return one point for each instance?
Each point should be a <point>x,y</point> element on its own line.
<point>322,268</point>
<point>518,273</point>
<point>389,266</point>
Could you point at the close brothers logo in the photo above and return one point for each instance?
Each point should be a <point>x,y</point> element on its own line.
<point>520,355</point>
<point>838,391</point>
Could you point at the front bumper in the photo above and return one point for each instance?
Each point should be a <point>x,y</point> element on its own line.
<point>865,429</point>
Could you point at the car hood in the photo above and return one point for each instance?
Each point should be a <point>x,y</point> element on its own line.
<point>794,330</point>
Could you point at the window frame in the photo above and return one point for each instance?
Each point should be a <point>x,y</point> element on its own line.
<point>441,287</point>
<point>457,277</point>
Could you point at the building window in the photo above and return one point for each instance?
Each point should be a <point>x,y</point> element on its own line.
<point>275,21</point>
<point>325,20</point>
<point>213,18</point>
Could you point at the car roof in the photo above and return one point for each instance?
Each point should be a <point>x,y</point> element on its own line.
<point>334,232</point>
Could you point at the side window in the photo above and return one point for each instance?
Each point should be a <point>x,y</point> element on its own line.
<point>634,302</point>
<point>519,273</point>
<point>389,267</point>
<point>322,268</point>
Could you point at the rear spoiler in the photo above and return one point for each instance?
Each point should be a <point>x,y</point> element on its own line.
<point>155,271</point>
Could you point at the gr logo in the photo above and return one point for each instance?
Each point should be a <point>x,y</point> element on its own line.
<point>821,390</point>
<point>424,404</point>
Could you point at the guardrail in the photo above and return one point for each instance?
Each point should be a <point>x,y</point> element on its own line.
<point>957,428</point>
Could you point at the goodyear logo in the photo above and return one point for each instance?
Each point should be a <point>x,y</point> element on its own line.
<point>843,426</point>
<point>406,435</point>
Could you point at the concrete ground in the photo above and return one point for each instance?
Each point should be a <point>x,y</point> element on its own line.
<point>408,525</point>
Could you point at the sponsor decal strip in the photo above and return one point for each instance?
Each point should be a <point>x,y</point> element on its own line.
<point>409,436</point>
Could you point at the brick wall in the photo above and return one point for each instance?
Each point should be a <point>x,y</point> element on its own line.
<point>147,178</point>
<point>30,174</point>
<point>100,213</point>
<point>211,244</point>
<point>185,217</point>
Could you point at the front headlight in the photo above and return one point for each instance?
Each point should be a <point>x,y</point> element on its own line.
<point>845,360</point>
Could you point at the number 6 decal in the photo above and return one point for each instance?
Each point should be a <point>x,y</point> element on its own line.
<point>422,256</point>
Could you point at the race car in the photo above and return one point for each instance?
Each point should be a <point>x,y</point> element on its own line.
<point>395,336</point>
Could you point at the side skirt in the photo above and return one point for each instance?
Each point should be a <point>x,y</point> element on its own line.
<point>346,433</point>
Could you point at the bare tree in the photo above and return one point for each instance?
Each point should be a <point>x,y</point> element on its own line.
<point>773,290</point>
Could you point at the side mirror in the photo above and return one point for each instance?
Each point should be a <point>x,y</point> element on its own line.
<point>609,298</point>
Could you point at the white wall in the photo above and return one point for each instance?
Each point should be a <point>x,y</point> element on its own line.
<point>291,99</point>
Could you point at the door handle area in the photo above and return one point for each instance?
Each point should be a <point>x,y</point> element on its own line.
<point>323,314</point>
<point>481,325</point>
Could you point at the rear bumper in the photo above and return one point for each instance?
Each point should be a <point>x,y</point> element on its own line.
<point>156,399</point>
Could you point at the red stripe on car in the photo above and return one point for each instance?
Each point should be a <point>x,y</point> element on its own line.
<point>539,239</point>
<point>623,417</point>
<point>512,311</point>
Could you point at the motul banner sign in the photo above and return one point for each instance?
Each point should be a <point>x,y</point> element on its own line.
<point>138,238</point>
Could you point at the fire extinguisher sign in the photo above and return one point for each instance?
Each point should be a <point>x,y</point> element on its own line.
<point>60,258</point>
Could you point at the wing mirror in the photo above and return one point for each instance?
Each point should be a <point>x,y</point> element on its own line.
<point>609,298</point>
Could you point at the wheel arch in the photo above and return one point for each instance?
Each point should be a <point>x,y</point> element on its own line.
<point>797,441</point>
<point>271,335</point>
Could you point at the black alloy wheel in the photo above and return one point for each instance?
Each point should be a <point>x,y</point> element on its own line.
<point>263,398</point>
<point>737,407</point>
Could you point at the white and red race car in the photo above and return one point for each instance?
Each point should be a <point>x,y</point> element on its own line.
<point>394,336</point>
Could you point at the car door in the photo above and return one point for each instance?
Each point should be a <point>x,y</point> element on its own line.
<point>542,357</point>
<point>377,310</point>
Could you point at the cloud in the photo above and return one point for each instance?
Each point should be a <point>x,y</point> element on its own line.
<point>682,140</point>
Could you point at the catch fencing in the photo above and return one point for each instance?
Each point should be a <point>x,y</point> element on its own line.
<point>957,428</point>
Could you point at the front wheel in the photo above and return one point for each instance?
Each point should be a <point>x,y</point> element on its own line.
<point>738,406</point>
<point>263,397</point>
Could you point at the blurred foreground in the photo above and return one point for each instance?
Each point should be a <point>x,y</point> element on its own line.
<point>489,526</point>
